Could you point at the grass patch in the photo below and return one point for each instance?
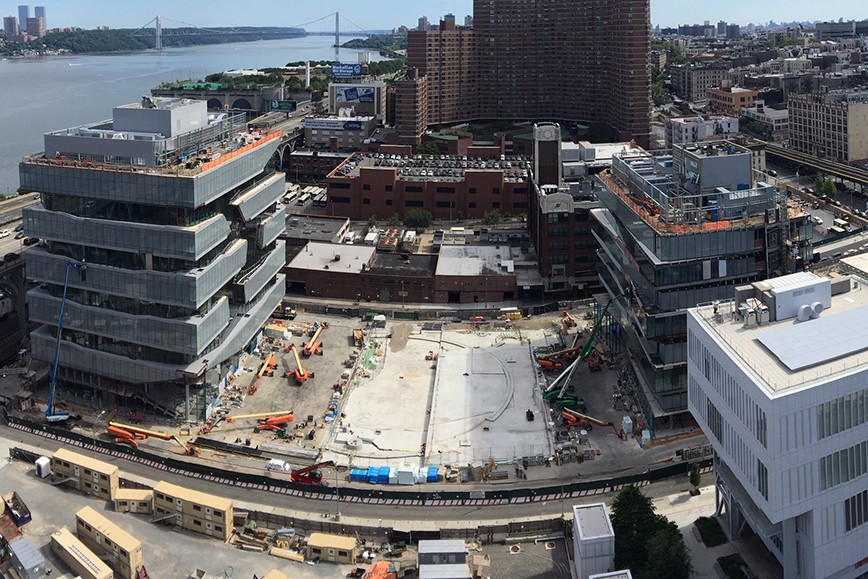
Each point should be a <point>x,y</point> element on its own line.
<point>710,531</point>
<point>732,566</point>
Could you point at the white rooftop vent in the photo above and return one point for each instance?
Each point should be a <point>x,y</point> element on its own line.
<point>817,309</point>
<point>805,312</point>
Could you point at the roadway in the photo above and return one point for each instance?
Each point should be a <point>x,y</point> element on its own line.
<point>400,517</point>
<point>10,218</point>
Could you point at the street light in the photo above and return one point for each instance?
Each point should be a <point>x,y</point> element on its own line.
<point>93,430</point>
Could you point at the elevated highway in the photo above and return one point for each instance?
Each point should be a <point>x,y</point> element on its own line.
<point>858,176</point>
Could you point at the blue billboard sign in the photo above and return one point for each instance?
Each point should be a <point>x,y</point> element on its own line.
<point>355,94</point>
<point>353,126</point>
<point>340,70</point>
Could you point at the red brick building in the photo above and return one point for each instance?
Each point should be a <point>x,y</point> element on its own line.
<point>370,185</point>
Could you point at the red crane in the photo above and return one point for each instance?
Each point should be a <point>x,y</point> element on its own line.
<point>314,347</point>
<point>275,422</point>
<point>310,475</point>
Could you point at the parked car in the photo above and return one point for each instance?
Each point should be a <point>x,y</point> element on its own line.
<point>817,220</point>
<point>4,233</point>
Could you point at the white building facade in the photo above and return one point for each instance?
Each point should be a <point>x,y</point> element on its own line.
<point>780,386</point>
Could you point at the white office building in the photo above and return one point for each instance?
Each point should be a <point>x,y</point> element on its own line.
<point>778,380</point>
<point>593,540</point>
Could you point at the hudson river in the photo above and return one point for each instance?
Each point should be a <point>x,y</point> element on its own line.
<point>38,95</point>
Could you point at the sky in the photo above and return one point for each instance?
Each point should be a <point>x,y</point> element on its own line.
<point>385,14</point>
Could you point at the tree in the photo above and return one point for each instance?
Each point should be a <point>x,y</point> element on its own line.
<point>818,182</point>
<point>395,220</point>
<point>668,557</point>
<point>633,521</point>
<point>695,478</point>
<point>418,218</point>
<point>829,188</point>
<point>491,217</point>
<point>372,221</point>
<point>428,148</point>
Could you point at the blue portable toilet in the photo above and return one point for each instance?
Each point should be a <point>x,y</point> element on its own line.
<point>432,474</point>
<point>383,477</point>
<point>373,474</point>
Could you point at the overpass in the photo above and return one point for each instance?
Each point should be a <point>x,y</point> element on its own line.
<point>831,168</point>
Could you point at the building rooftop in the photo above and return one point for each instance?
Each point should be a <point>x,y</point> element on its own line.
<point>333,256</point>
<point>336,541</point>
<point>434,167</point>
<point>593,521</point>
<point>197,497</point>
<point>625,574</point>
<point>442,546</point>
<point>647,183</point>
<point>475,260</point>
<point>26,553</point>
<point>108,529</point>
<point>85,461</point>
<point>315,228</point>
<point>796,350</point>
<point>403,263</point>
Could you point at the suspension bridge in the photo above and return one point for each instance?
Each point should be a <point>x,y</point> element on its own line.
<point>155,28</point>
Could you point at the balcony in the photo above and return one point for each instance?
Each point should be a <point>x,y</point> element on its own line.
<point>189,289</point>
<point>253,281</point>
<point>189,336</point>
<point>187,243</point>
<point>260,197</point>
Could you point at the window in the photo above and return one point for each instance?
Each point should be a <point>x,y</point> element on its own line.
<point>335,199</point>
<point>496,205</point>
<point>218,528</point>
<point>496,190</point>
<point>844,465</point>
<point>445,189</point>
<point>413,189</point>
<point>388,202</point>
<point>197,522</point>
<point>856,511</point>
<point>715,421</point>
<point>339,185</point>
<point>316,550</point>
<point>197,508</point>
<point>343,554</point>
<point>366,187</point>
<point>762,479</point>
<point>366,201</point>
<point>414,203</point>
<point>472,190</point>
<point>389,187</point>
<point>218,513</point>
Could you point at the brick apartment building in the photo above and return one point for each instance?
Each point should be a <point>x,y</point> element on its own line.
<point>367,185</point>
<point>556,60</point>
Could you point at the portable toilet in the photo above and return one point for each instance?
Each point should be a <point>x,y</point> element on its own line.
<point>373,475</point>
<point>383,475</point>
<point>432,474</point>
<point>43,467</point>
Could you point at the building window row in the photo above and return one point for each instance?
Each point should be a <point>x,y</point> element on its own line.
<point>856,511</point>
<point>843,466</point>
<point>842,413</point>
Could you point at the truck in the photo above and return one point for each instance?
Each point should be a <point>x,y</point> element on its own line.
<point>16,509</point>
<point>285,311</point>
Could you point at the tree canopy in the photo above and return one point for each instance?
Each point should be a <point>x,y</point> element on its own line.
<point>647,543</point>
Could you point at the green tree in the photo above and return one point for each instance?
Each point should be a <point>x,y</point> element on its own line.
<point>491,217</point>
<point>395,220</point>
<point>418,218</point>
<point>829,188</point>
<point>372,221</point>
<point>668,557</point>
<point>633,521</point>
<point>428,148</point>
<point>695,478</point>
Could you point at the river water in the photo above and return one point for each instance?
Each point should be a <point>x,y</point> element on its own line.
<point>51,93</point>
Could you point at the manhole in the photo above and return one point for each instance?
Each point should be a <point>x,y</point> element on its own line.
<point>515,549</point>
<point>550,545</point>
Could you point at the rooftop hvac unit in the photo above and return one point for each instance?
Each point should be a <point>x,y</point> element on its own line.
<point>750,318</point>
<point>817,309</point>
<point>805,313</point>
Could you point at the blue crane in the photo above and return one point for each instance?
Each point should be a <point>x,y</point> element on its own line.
<point>50,414</point>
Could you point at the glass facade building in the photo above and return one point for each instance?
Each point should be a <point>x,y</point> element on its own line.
<point>682,228</point>
<point>165,219</point>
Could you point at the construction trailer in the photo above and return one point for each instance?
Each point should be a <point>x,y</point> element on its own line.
<point>136,501</point>
<point>85,474</point>
<point>83,562</point>
<point>332,548</point>
<point>120,550</point>
<point>193,510</point>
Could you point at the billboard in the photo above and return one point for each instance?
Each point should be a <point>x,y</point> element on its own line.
<point>284,106</point>
<point>354,94</point>
<point>340,70</point>
<point>333,124</point>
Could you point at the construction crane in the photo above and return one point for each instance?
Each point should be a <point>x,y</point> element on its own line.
<point>139,430</point>
<point>189,449</point>
<point>50,414</point>
<point>310,475</point>
<point>567,374</point>
<point>312,346</point>
<point>258,415</point>
<point>265,370</point>
<point>274,423</point>
<point>301,375</point>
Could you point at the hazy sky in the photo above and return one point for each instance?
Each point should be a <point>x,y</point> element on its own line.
<point>381,14</point>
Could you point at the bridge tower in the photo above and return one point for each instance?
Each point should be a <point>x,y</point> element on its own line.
<point>337,29</point>
<point>158,42</point>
